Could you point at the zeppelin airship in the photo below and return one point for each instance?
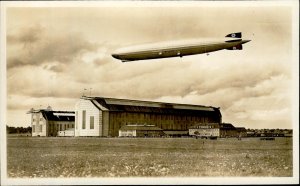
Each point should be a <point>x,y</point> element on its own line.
<point>231,41</point>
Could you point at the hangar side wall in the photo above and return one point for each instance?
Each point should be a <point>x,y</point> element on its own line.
<point>163,121</point>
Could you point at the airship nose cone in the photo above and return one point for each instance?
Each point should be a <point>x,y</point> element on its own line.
<point>115,56</point>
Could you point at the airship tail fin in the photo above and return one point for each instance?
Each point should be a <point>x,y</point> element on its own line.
<point>235,35</point>
<point>238,47</point>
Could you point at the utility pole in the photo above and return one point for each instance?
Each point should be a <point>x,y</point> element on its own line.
<point>83,92</point>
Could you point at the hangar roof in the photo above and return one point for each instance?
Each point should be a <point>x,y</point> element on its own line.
<point>114,104</point>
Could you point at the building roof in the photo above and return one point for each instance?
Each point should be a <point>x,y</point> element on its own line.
<point>114,104</point>
<point>140,127</point>
<point>58,115</point>
<point>240,129</point>
<point>227,126</point>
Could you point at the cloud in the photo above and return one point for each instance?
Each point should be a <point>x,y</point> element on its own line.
<point>155,79</point>
<point>38,48</point>
<point>26,36</point>
<point>263,105</point>
<point>57,68</point>
<point>40,82</point>
<point>25,103</point>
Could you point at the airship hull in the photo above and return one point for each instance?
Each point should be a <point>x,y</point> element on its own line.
<point>179,51</point>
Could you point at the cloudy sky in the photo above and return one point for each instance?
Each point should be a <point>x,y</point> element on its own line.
<point>53,54</point>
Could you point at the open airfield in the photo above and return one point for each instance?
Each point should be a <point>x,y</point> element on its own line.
<point>147,157</point>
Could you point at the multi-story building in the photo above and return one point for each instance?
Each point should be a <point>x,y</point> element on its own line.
<point>46,122</point>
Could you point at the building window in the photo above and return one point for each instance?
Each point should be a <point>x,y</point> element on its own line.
<point>33,128</point>
<point>91,122</point>
<point>83,119</point>
<point>76,119</point>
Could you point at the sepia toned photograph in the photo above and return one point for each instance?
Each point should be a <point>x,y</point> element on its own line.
<point>149,93</point>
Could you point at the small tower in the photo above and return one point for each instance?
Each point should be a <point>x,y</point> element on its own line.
<point>31,110</point>
<point>49,108</point>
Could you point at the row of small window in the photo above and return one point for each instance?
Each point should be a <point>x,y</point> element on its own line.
<point>206,130</point>
<point>84,120</point>
<point>41,119</point>
<point>53,127</point>
<point>206,127</point>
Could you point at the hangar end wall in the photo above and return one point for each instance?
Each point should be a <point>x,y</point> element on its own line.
<point>88,119</point>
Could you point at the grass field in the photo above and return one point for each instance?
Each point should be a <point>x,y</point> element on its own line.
<point>152,157</point>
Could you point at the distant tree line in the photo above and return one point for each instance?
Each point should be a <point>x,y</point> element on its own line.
<point>18,130</point>
<point>269,132</point>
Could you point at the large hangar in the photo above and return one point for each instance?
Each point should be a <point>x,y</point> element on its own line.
<point>100,116</point>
